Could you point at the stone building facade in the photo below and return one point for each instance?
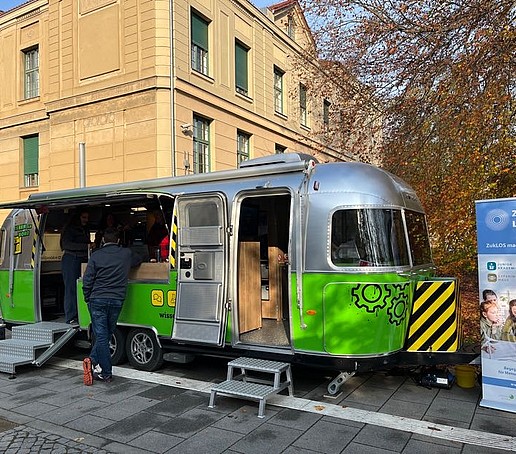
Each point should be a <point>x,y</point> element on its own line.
<point>103,73</point>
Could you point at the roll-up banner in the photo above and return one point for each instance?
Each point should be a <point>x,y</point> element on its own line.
<point>496,236</point>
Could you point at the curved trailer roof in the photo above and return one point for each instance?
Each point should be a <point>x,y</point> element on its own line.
<point>360,183</point>
<point>269,165</point>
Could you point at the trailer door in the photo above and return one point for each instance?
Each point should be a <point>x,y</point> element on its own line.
<point>19,298</point>
<point>202,269</point>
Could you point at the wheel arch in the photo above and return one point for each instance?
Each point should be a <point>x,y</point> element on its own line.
<point>129,326</point>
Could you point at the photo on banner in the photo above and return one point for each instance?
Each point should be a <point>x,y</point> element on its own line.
<point>496,238</point>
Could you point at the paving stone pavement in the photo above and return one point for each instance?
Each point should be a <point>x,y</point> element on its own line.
<point>49,410</point>
<point>24,439</point>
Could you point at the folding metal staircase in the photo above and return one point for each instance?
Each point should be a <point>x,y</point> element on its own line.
<point>247,386</point>
<point>33,344</point>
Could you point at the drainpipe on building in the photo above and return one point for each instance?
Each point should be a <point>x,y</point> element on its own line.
<point>172,94</point>
<point>82,164</point>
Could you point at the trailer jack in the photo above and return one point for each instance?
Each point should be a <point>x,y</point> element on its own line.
<point>338,381</point>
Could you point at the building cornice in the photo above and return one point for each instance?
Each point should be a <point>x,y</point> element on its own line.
<point>23,12</point>
<point>24,118</point>
<point>104,94</point>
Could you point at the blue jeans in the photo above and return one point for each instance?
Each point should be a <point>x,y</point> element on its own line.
<point>71,269</point>
<point>104,315</point>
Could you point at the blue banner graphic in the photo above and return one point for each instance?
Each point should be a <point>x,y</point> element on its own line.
<point>496,237</point>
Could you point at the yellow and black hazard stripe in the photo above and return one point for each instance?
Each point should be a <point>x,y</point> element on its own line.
<point>35,240</point>
<point>435,319</point>
<point>173,240</point>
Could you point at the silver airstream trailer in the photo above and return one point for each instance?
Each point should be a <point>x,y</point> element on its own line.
<point>284,258</point>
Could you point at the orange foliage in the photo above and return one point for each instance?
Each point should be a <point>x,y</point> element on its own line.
<point>443,74</point>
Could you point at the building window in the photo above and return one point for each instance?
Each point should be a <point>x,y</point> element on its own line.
<point>326,113</point>
<point>290,27</point>
<point>241,70</point>
<point>303,114</point>
<point>31,161</point>
<point>278,90</point>
<point>201,145</point>
<point>31,73</point>
<point>243,146</point>
<point>279,149</point>
<point>199,43</point>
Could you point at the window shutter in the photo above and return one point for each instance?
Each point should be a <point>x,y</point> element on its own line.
<point>30,155</point>
<point>199,32</point>
<point>241,66</point>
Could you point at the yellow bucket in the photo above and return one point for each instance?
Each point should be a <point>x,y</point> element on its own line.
<point>466,375</point>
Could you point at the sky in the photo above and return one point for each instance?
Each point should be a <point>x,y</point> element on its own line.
<point>259,3</point>
<point>8,4</point>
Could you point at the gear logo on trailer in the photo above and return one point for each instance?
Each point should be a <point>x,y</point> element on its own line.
<point>371,297</point>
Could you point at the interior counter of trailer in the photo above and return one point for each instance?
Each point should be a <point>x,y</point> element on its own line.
<point>145,272</point>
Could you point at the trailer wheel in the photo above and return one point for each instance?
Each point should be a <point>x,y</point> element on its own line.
<point>116,346</point>
<point>143,350</point>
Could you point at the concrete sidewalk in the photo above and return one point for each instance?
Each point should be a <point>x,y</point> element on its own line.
<point>50,410</point>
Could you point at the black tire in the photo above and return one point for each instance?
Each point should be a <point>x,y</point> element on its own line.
<point>143,350</point>
<point>116,346</point>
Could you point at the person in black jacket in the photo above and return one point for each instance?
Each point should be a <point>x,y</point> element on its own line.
<point>104,285</point>
<point>75,242</point>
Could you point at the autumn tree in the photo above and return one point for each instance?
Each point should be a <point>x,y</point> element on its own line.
<point>337,112</point>
<point>443,74</point>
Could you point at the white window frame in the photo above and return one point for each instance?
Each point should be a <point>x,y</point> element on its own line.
<point>31,73</point>
<point>201,144</point>
<point>199,51</point>
<point>303,102</point>
<point>243,146</point>
<point>278,90</point>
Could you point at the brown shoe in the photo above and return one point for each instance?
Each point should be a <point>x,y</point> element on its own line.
<point>88,372</point>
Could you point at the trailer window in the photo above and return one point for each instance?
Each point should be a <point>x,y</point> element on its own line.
<point>418,238</point>
<point>203,214</point>
<point>368,237</point>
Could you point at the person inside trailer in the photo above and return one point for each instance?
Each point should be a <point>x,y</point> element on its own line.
<point>111,221</point>
<point>157,233</point>
<point>75,244</point>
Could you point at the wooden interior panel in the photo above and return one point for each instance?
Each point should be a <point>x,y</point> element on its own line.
<point>271,308</point>
<point>249,286</point>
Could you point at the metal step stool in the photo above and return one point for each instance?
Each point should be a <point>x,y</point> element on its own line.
<point>246,386</point>
<point>33,344</point>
